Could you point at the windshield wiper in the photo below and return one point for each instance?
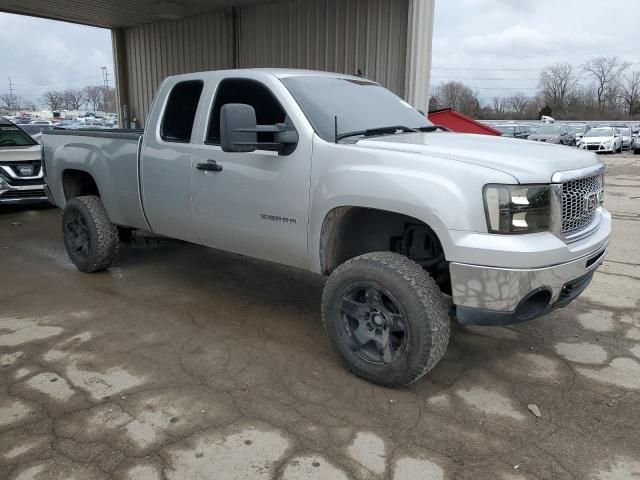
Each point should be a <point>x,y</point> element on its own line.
<point>432,128</point>
<point>370,132</point>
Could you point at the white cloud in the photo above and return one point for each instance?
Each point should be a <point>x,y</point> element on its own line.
<point>500,46</point>
<point>40,55</point>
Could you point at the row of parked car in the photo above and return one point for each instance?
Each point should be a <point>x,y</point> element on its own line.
<point>35,127</point>
<point>598,138</point>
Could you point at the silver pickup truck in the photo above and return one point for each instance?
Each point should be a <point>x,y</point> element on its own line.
<point>337,175</point>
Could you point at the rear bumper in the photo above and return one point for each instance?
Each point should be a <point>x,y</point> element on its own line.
<point>500,296</point>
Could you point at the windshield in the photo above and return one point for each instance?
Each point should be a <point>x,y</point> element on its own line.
<point>33,129</point>
<point>578,128</point>
<point>359,105</point>
<point>546,129</point>
<point>505,129</point>
<point>599,132</point>
<point>12,136</point>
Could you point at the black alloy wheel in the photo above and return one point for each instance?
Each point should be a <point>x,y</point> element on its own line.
<point>374,325</point>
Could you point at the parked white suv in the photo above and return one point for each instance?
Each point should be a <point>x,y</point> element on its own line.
<point>21,175</point>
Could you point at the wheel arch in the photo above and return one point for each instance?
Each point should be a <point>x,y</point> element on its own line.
<point>350,231</point>
<point>77,182</point>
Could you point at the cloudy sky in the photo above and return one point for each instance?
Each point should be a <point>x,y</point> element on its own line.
<point>42,55</point>
<point>499,46</point>
<point>495,46</point>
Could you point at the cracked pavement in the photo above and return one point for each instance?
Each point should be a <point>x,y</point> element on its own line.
<point>185,363</point>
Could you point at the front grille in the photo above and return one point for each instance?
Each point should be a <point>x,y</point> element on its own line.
<point>577,211</point>
<point>22,194</point>
<point>18,180</point>
<point>593,147</point>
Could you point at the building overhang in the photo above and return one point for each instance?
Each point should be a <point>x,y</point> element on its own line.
<point>116,13</point>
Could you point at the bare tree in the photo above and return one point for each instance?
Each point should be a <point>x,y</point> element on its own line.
<point>556,82</point>
<point>499,104</point>
<point>94,96</point>
<point>109,99</point>
<point>8,101</point>
<point>73,98</point>
<point>458,96</point>
<point>54,100</point>
<point>604,71</point>
<point>518,102</point>
<point>630,92</point>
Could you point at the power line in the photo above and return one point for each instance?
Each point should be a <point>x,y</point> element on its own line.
<point>499,79</point>
<point>573,54</point>
<point>500,69</point>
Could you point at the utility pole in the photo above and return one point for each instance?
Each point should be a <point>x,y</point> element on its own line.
<point>105,92</point>
<point>11,97</point>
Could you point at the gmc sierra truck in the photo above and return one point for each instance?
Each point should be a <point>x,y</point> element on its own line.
<point>337,175</point>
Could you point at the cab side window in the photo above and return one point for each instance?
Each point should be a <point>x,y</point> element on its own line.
<point>250,92</point>
<point>180,112</point>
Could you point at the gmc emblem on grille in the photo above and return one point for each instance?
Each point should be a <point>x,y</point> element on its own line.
<point>592,201</point>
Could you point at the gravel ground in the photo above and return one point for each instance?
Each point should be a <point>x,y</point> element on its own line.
<point>185,363</point>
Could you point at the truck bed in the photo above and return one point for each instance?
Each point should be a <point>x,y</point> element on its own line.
<point>122,133</point>
<point>110,157</point>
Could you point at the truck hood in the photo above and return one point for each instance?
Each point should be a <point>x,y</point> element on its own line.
<point>20,154</point>
<point>527,162</point>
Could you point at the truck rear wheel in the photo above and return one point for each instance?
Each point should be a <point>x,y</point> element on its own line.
<point>90,239</point>
<point>386,318</point>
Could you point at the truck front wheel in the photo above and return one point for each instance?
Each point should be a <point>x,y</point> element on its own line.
<point>90,239</point>
<point>386,318</point>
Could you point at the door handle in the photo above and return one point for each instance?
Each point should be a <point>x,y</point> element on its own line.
<point>209,166</point>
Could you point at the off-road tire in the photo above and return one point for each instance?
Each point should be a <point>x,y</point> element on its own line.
<point>102,234</point>
<point>426,316</point>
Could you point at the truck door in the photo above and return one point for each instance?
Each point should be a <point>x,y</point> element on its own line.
<point>253,203</point>
<point>165,172</point>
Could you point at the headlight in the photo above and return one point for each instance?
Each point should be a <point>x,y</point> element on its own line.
<point>608,143</point>
<point>518,208</point>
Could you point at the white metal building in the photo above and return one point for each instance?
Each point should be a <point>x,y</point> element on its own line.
<point>386,40</point>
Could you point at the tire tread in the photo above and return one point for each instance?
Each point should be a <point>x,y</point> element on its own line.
<point>429,295</point>
<point>107,234</point>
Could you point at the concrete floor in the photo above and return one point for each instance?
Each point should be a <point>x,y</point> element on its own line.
<point>186,363</point>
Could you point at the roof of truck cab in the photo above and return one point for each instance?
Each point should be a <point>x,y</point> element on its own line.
<point>278,73</point>
<point>293,72</point>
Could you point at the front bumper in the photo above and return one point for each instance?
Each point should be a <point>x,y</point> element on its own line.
<point>597,147</point>
<point>502,296</point>
<point>22,195</point>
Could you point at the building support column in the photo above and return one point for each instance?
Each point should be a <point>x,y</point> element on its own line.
<point>419,45</point>
<point>119,44</point>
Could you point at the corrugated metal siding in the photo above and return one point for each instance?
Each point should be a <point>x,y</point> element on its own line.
<point>334,35</point>
<point>157,50</point>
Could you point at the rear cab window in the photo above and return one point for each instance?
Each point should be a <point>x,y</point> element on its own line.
<point>13,136</point>
<point>180,111</point>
